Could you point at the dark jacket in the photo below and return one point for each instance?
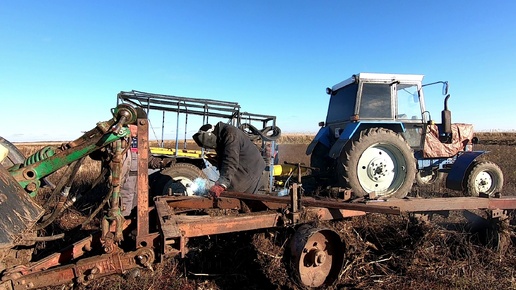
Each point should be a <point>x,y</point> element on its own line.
<point>239,160</point>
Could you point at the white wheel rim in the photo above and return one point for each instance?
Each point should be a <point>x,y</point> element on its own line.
<point>377,168</point>
<point>483,182</point>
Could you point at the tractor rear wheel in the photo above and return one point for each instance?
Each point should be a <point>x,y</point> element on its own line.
<point>484,177</point>
<point>378,163</point>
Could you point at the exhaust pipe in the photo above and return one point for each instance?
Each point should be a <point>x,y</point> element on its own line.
<point>446,134</point>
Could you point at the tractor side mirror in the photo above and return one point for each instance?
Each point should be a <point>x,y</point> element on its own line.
<point>415,98</point>
<point>445,88</point>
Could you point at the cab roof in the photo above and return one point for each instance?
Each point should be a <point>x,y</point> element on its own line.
<point>379,77</point>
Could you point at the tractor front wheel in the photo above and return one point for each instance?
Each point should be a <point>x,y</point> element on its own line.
<point>484,177</point>
<point>379,162</point>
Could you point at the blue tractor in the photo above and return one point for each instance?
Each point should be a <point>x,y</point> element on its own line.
<point>378,139</point>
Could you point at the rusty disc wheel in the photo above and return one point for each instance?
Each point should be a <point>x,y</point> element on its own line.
<point>317,256</point>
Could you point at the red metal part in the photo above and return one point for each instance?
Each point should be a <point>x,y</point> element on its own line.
<point>176,229</point>
<point>69,254</point>
<point>143,237</point>
<point>448,203</point>
<point>85,270</point>
<point>73,252</point>
<point>186,203</point>
<point>312,202</point>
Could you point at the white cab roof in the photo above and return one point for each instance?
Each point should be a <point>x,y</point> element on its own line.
<point>379,77</point>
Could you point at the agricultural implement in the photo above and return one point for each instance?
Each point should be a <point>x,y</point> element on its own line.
<point>192,163</point>
<point>163,225</point>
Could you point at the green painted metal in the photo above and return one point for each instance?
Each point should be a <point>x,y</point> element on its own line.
<point>53,163</point>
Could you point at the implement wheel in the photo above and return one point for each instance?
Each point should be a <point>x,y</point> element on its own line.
<point>177,179</point>
<point>484,177</point>
<point>379,161</point>
<point>317,256</point>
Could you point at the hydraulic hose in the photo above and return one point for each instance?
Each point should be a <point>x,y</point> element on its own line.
<point>265,134</point>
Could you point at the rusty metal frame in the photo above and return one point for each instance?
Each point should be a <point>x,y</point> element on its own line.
<point>84,270</point>
<point>447,203</point>
<point>287,211</point>
<point>177,229</point>
<point>143,236</point>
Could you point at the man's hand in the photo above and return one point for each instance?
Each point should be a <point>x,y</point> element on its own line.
<point>216,190</point>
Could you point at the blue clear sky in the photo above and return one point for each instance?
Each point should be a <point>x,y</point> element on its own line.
<point>63,62</point>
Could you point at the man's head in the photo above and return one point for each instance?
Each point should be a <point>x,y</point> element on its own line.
<point>205,137</point>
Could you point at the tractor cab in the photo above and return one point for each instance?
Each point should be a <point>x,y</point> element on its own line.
<point>394,100</point>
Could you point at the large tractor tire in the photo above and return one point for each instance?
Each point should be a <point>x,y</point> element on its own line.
<point>378,163</point>
<point>484,177</point>
<point>178,179</point>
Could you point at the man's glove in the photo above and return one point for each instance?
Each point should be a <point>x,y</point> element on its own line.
<point>216,190</point>
<point>155,163</point>
<point>167,162</point>
<point>158,163</point>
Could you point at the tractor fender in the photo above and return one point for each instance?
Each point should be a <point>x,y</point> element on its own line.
<point>455,179</point>
<point>321,137</point>
<point>354,128</point>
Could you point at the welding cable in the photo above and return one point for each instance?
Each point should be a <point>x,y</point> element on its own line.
<point>265,134</point>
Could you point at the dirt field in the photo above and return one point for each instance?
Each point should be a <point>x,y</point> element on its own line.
<point>382,252</point>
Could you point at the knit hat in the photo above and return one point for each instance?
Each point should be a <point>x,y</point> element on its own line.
<point>205,137</point>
